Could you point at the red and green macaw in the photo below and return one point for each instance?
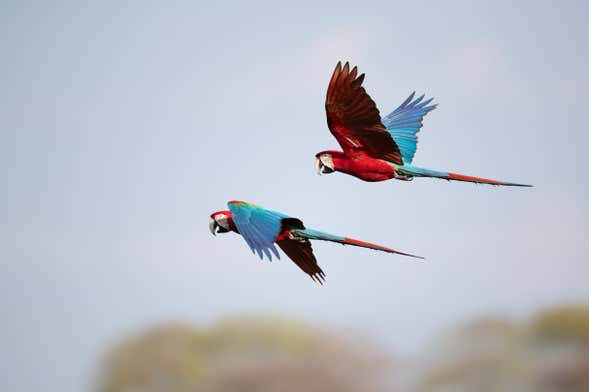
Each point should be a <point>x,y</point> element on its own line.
<point>376,149</point>
<point>262,228</point>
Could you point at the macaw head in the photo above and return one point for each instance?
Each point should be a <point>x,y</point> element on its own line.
<point>221,222</point>
<point>324,162</point>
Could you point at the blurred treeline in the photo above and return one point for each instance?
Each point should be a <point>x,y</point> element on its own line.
<point>548,352</point>
<point>241,354</point>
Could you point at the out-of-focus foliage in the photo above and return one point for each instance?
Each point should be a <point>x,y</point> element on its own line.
<point>569,323</point>
<point>559,343</point>
<point>548,354</point>
<point>243,354</point>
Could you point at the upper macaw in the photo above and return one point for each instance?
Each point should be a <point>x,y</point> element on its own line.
<point>376,149</point>
<point>262,228</point>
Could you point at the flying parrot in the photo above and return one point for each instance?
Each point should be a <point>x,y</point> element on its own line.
<point>262,228</point>
<point>375,148</point>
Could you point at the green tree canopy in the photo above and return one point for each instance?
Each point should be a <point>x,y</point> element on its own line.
<point>241,354</point>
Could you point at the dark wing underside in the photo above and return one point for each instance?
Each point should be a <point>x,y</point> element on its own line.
<point>353,118</point>
<point>300,250</point>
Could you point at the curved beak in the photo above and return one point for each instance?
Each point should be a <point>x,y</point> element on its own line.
<point>318,166</point>
<point>213,226</point>
<point>323,167</point>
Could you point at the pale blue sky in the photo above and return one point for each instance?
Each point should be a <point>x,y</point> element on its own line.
<point>124,127</point>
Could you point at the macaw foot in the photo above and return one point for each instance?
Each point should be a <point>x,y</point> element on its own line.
<point>403,177</point>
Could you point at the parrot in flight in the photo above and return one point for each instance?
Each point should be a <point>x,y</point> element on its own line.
<point>375,148</point>
<point>262,228</point>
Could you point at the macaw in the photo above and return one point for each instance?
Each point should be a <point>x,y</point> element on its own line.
<point>262,228</point>
<point>376,149</point>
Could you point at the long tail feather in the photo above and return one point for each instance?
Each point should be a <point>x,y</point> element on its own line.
<point>321,236</point>
<point>415,171</point>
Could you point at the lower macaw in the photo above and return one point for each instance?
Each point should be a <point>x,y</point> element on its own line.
<point>376,149</point>
<point>262,228</point>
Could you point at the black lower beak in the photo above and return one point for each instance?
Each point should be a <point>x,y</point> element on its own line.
<point>213,226</point>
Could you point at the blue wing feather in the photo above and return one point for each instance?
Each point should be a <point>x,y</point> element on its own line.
<point>258,226</point>
<point>404,123</point>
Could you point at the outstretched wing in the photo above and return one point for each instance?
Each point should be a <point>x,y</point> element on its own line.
<point>353,118</point>
<point>404,123</point>
<point>300,250</point>
<point>258,226</point>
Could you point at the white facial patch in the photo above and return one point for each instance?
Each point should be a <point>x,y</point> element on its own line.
<point>327,161</point>
<point>221,220</point>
